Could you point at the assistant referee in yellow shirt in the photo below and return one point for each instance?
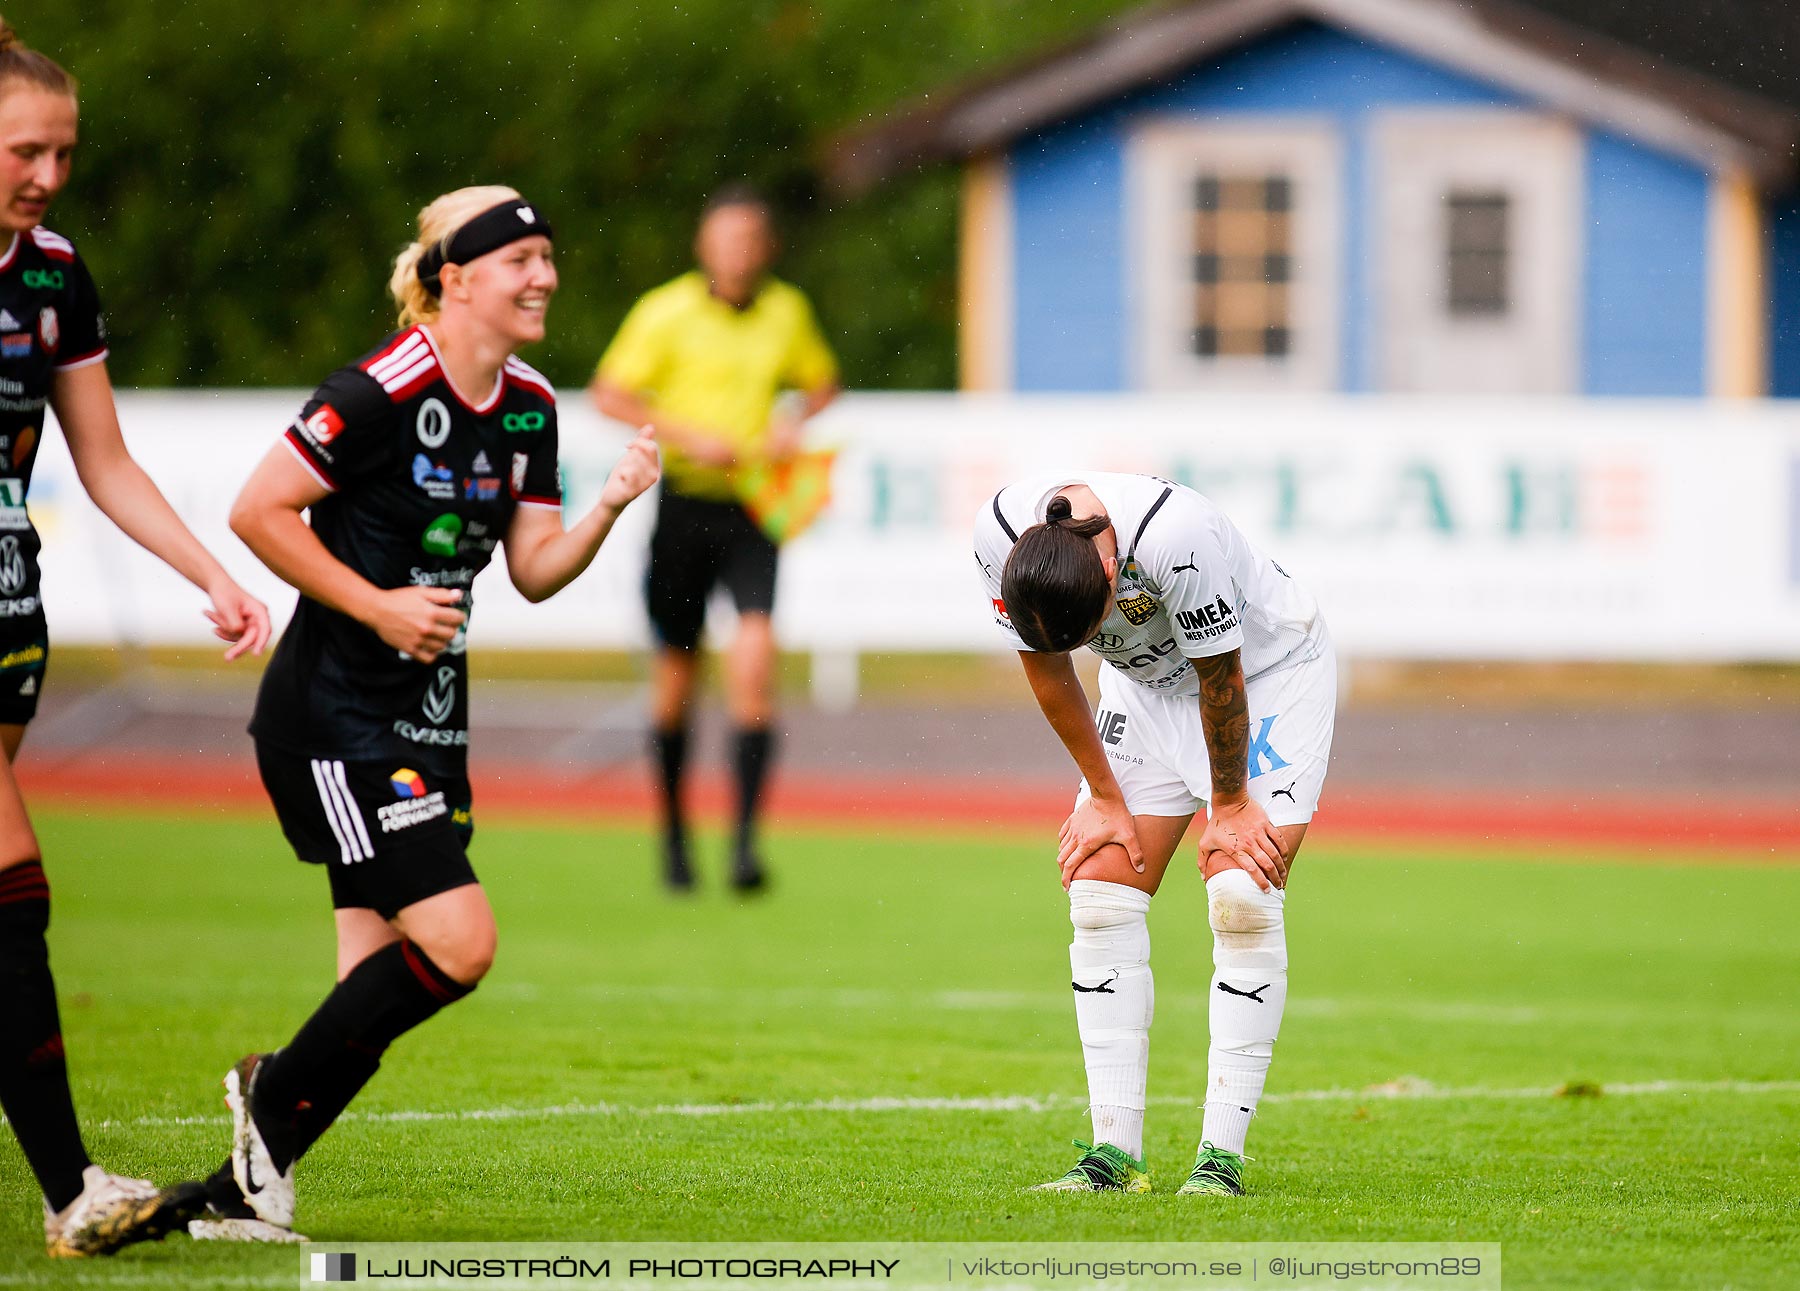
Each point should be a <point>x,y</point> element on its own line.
<point>707,359</point>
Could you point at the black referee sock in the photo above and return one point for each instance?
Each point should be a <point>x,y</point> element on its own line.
<point>304,1087</point>
<point>751,757</point>
<point>34,1079</point>
<point>670,748</point>
<point>340,1084</point>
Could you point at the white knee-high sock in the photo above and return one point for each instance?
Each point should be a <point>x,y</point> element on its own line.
<point>1249,992</point>
<point>1115,999</point>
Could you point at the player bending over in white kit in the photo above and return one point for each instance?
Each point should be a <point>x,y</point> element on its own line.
<point>1221,691</point>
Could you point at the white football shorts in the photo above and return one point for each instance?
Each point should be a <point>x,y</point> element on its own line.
<point>1158,749</point>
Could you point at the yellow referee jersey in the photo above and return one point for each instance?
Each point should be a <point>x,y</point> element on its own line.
<point>696,359</point>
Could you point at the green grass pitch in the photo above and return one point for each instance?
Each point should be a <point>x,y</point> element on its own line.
<point>713,1068</point>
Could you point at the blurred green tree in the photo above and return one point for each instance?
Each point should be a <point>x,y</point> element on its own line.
<point>246,174</point>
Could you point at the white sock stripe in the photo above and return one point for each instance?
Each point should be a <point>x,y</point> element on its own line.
<point>328,800</point>
<point>362,831</point>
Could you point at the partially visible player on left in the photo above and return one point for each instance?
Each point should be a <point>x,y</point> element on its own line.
<point>53,351</point>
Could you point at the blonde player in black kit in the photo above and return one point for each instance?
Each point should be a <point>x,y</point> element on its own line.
<point>416,461</point>
<point>53,352</point>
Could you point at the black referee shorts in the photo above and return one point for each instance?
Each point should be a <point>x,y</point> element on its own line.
<point>697,545</point>
<point>387,835</point>
<point>24,657</point>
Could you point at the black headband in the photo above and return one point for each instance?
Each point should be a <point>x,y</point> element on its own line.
<point>492,229</point>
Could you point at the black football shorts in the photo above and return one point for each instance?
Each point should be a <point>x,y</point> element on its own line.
<point>387,835</point>
<point>697,545</point>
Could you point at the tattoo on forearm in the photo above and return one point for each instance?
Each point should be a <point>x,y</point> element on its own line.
<point>1225,717</point>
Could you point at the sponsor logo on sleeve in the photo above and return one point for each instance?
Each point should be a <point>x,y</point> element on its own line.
<point>49,330</point>
<point>519,463</point>
<point>1000,615</point>
<point>323,426</point>
<point>415,805</point>
<point>1205,622</point>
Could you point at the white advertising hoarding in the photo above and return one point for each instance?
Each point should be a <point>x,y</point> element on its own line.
<point>1430,529</point>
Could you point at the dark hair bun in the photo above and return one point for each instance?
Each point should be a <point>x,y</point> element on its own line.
<point>1060,508</point>
<point>9,39</point>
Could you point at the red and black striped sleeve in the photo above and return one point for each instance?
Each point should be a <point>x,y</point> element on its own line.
<point>83,328</point>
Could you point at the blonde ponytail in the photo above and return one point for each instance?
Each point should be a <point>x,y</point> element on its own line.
<point>19,63</point>
<point>437,223</point>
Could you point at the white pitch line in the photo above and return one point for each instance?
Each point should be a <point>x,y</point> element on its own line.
<point>1404,1089</point>
<point>1469,1012</point>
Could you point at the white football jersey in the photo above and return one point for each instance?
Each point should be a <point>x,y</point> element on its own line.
<point>1190,584</point>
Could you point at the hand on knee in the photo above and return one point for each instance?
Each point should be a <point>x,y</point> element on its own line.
<point>1111,864</point>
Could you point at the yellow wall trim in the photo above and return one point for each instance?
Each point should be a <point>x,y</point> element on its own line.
<point>1737,340</point>
<point>984,286</point>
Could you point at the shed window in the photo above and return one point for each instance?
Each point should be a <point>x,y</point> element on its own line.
<point>1476,227</point>
<point>1242,265</point>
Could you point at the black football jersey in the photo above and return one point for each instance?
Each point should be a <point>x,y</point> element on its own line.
<point>49,322</point>
<point>423,486</point>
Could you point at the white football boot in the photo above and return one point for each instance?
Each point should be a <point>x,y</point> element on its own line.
<point>113,1211</point>
<point>267,1191</point>
<point>214,1227</point>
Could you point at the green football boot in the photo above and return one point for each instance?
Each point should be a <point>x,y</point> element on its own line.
<point>1216,1172</point>
<point>1102,1168</point>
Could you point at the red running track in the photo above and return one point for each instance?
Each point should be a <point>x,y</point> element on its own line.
<point>1357,815</point>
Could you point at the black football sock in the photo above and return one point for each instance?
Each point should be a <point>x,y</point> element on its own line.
<point>223,1194</point>
<point>338,1086</point>
<point>34,1079</point>
<point>304,1086</point>
<point>751,757</point>
<point>671,749</point>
